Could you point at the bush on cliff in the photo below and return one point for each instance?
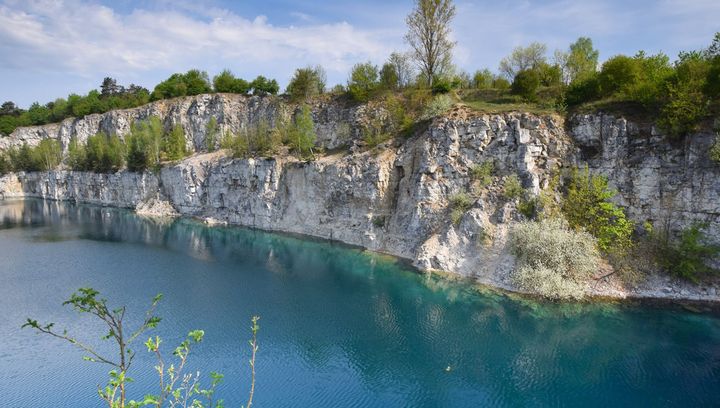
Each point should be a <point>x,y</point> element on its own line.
<point>301,134</point>
<point>174,146</point>
<point>306,83</point>
<point>554,260</point>
<point>144,144</point>
<point>587,206</point>
<point>227,82</point>
<point>686,256</point>
<point>257,140</point>
<point>364,81</point>
<point>193,82</point>
<point>45,156</point>
<point>102,154</point>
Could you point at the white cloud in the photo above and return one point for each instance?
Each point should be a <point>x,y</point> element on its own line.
<point>85,38</point>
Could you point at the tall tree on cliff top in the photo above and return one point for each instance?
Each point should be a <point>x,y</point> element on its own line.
<point>429,36</point>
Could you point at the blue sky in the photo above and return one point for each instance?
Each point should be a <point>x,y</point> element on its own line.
<point>50,48</point>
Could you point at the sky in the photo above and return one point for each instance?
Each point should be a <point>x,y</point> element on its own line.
<point>51,48</point>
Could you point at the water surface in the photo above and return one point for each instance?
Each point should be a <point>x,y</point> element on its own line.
<point>339,327</point>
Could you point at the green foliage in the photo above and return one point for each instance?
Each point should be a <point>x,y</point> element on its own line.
<point>715,149</point>
<point>307,83</point>
<point>512,187</point>
<point>618,73</point>
<point>101,153</point>
<point>193,82</point>
<point>5,164</point>
<point>47,155</point>
<point>211,134</point>
<point>258,140</point>
<point>582,60</point>
<point>583,90</point>
<point>554,261</point>
<point>389,77</point>
<point>264,86</point>
<point>437,106</point>
<point>226,82</point>
<point>526,84</point>
<point>688,256</point>
<point>483,79</point>
<point>301,136</point>
<point>687,104</point>
<point>176,387</point>
<point>483,173</point>
<point>523,59</point>
<point>712,82</point>
<point>529,207</point>
<point>363,81</point>
<point>144,144</point>
<point>587,206</point>
<point>173,145</point>
<point>460,203</point>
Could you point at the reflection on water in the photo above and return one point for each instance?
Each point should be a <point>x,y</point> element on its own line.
<point>340,326</point>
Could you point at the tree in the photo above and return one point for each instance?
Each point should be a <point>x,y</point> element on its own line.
<point>174,147</point>
<point>211,134</point>
<point>263,86</point>
<point>389,77</point>
<point>483,79</point>
<point>526,84</point>
<point>9,108</point>
<point>582,60</point>
<point>306,83</point>
<point>403,68</point>
<point>110,87</point>
<point>618,73</point>
<point>587,205</point>
<point>429,36</point>
<point>302,135</point>
<point>523,58</point>
<point>144,144</point>
<point>226,82</point>
<point>363,81</point>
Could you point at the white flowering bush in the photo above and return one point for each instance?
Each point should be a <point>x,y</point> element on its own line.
<point>553,260</point>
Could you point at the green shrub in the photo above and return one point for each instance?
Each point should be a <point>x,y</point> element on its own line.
<point>306,83</point>
<point>5,164</point>
<point>715,149</point>
<point>483,79</point>
<point>389,79</point>
<point>363,81</point>
<point>227,82</point>
<point>173,146</point>
<point>618,73</point>
<point>583,90</point>
<point>437,106</point>
<point>301,135</point>
<point>144,144</point>
<point>526,84</point>
<point>712,81</point>
<point>553,260</point>
<point>264,86</point>
<point>193,82</point>
<point>77,155</point>
<point>257,140</point>
<point>483,173</point>
<point>101,153</point>
<point>687,105</point>
<point>512,188</point>
<point>211,134</point>
<point>587,205</point>
<point>47,155</point>
<point>528,207</point>
<point>688,256</point>
<point>460,203</point>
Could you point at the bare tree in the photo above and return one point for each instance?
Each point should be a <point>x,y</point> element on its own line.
<point>523,58</point>
<point>429,36</point>
<point>403,68</point>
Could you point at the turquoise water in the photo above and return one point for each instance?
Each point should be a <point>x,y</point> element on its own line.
<point>339,327</point>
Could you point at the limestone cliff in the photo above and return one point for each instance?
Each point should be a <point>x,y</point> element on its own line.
<point>393,199</point>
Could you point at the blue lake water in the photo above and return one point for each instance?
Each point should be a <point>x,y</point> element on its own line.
<point>340,327</point>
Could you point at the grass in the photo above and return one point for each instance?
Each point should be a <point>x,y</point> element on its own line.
<point>495,101</point>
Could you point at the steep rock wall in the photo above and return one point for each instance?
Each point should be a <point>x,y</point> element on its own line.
<point>658,180</point>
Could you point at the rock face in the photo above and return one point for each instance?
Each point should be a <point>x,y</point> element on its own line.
<point>396,198</point>
<point>336,124</point>
<point>669,183</point>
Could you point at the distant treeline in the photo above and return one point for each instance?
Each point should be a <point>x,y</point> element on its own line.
<point>113,96</point>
